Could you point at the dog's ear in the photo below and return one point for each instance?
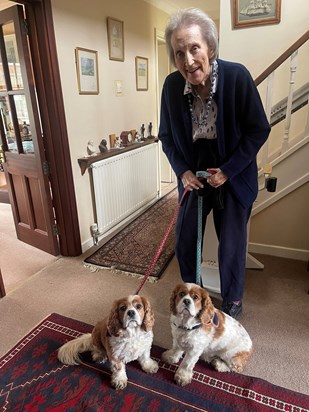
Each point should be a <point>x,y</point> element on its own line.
<point>148,320</point>
<point>173,299</point>
<point>208,309</point>
<point>114,326</point>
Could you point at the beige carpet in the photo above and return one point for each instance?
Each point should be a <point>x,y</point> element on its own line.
<point>18,261</point>
<point>276,310</point>
<point>276,305</point>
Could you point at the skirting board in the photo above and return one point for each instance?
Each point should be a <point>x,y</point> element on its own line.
<point>280,251</point>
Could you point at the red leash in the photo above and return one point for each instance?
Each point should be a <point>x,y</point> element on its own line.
<point>160,248</point>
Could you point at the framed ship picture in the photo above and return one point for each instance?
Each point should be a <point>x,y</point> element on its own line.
<point>248,13</point>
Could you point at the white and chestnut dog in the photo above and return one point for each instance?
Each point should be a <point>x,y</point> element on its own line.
<point>124,336</point>
<point>201,331</point>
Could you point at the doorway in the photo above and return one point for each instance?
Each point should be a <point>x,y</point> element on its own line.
<point>50,182</point>
<point>167,175</point>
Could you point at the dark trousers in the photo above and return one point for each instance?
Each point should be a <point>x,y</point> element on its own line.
<point>230,221</point>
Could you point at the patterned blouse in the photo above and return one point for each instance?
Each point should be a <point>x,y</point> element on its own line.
<point>203,113</point>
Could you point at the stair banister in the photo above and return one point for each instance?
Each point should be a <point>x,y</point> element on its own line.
<point>293,68</point>
<point>268,74</point>
<point>281,59</point>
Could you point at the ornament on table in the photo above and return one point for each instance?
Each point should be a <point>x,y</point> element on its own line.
<point>118,143</point>
<point>103,146</point>
<point>137,138</point>
<point>91,150</point>
<point>143,132</point>
<point>150,136</point>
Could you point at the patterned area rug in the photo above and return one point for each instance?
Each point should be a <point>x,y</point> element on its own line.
<point>32,379</point>
<point>132,250</point>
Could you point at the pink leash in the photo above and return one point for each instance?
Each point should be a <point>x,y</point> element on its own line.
<point>160,248</point>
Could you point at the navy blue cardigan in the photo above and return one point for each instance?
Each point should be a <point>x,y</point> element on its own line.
<point>242,128</point>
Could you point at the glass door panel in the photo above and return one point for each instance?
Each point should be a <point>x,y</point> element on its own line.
<point>13,105</point>
<point>12,56</point>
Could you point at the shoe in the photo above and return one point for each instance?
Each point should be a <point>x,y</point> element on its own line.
<point>232,309</point>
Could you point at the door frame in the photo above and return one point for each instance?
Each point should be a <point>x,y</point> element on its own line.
<point>50,98</point>
<point>166,173</point>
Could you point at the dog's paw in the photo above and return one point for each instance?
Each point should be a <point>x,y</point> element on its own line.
<point>170,356</point>
<point>220,365</point>
<point>99,358</point>
<point>150,366</point>
<point>183,377</point>
<point>119,383</point>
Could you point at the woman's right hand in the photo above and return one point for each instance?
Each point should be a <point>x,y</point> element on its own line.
<point>190,181</point>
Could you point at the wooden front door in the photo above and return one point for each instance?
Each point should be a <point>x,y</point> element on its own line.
<point>22,138</point>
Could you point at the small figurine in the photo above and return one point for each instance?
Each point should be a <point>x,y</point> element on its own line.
<point>137,138</point>
<point>150,130</point>
<point>103,146</point>
<point>91,150</point>
<point>143,132</point>
<point>118,143</point>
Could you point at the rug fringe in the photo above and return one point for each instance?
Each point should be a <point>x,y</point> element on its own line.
<point>96,268</point>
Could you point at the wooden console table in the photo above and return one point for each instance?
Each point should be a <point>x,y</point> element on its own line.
<point>86,161</point>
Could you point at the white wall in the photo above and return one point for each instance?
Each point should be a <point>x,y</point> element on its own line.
<point>257,47</point>
<point>80,24</point>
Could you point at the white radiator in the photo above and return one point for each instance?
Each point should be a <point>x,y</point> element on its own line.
<point>124,184</point>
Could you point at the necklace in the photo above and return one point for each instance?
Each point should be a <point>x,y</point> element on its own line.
<point>201,119</point>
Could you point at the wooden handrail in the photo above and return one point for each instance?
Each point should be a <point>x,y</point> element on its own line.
<point>282,58</point>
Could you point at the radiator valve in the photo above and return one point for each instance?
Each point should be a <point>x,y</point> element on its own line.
<point>95,233</point>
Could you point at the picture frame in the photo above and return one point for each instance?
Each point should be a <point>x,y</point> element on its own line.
<point>141,71</point>
<point>87,70</point>
<point>115,37</point>
<point>112,139</point>
<point>250,13</point>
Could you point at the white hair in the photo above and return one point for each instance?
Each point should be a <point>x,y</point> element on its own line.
<point>190,17</point>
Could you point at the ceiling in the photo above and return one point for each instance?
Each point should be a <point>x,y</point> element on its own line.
<point>211,7</point>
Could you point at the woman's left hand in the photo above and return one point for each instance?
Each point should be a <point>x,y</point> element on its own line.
<point>217,179</point>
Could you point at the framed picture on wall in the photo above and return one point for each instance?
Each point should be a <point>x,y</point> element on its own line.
<point>248,13</point>
<point>87,71</point>
<point>141,70</point>
<point>115,39</point>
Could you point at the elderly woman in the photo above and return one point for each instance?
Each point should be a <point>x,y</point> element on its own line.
<point>211,118</point>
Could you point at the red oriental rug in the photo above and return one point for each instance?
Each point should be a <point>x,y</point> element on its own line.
<point>32,379</point>
<point>132,250</point>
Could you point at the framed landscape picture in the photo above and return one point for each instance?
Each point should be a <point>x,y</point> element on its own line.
<point>248,13</point>
<point>87,71</point>
<point>115,39</point>
<point>141,70</point>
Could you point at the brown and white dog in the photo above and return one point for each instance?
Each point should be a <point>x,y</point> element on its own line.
<point>124,336</point>
<point>201,331</point>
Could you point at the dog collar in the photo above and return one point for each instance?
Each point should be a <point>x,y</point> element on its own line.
<point>214,320</point>
<point>194,327</point>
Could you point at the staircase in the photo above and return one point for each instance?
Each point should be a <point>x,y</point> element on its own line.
<point>291,170</point>
<point>288,160</point>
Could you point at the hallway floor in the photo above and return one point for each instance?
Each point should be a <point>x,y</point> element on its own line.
<point>18,261</point>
